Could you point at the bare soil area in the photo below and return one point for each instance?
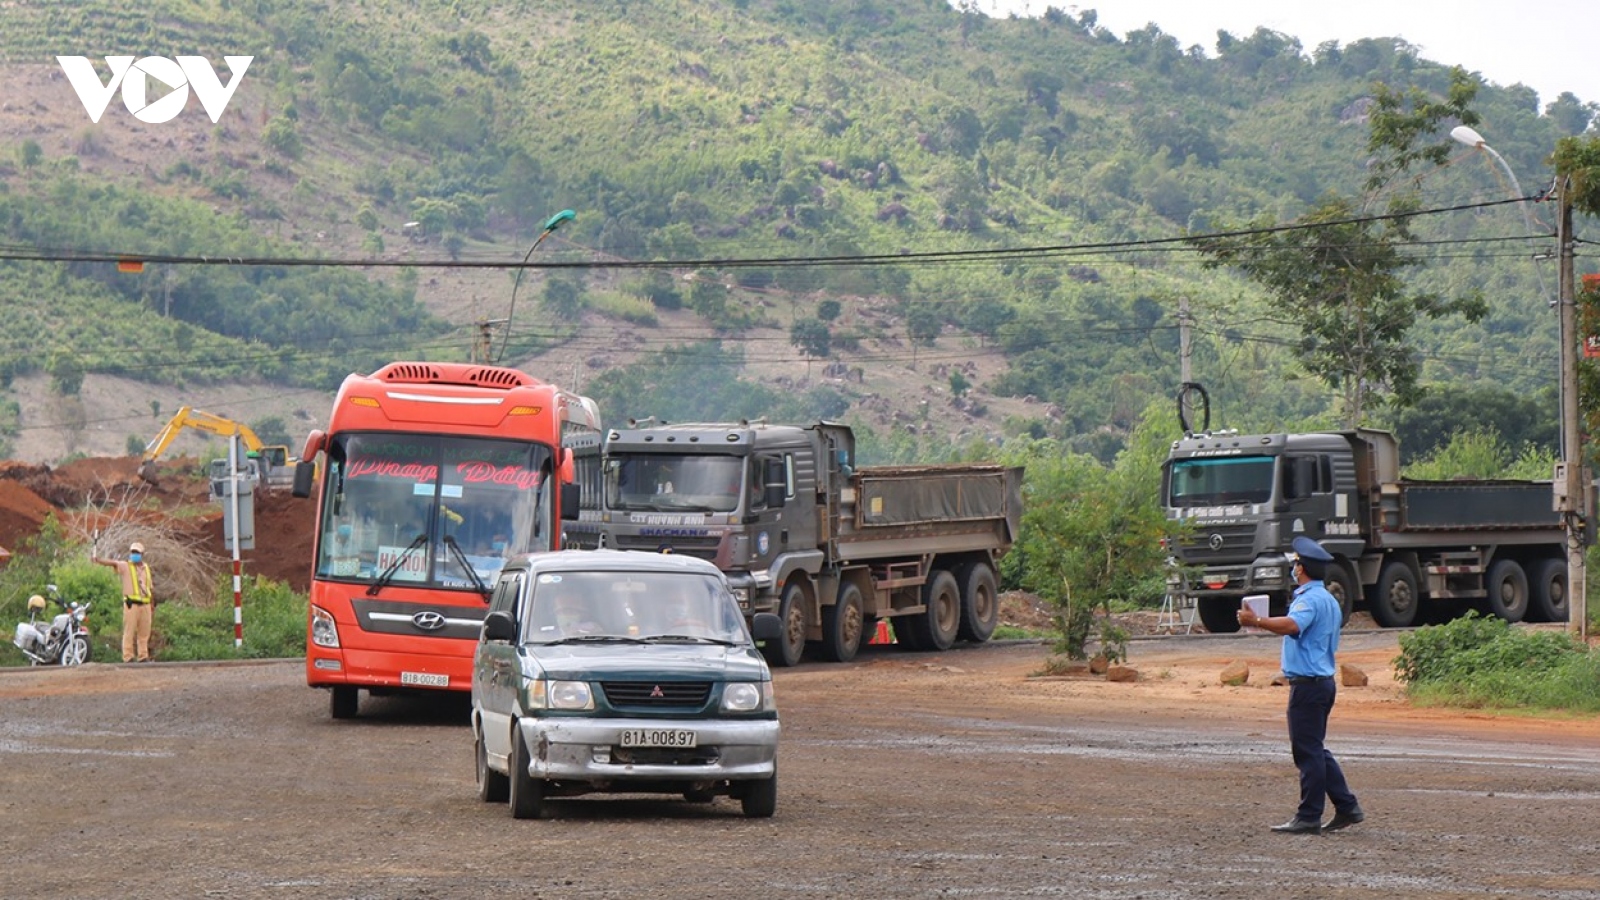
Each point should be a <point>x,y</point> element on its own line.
<point>902,775</point>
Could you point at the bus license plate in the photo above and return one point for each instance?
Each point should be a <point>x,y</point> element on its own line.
<point>657,737</point>
<point>425,679</point>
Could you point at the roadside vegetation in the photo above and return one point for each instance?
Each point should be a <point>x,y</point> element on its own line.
<point>1484,663</point>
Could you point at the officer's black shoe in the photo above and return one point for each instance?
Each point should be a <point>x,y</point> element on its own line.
<point>1345,819</point>
<point>1298,826</point>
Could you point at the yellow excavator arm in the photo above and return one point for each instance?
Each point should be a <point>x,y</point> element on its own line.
<point>277,455</point>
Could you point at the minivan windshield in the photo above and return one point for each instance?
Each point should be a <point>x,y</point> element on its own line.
<point>570,607</point>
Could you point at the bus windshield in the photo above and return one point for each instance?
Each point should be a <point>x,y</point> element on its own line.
<point>661,482</point>
<point>1221,482</point>
<point>431,510</point>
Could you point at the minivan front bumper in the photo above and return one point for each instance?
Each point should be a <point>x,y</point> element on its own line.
<point>577,749</point>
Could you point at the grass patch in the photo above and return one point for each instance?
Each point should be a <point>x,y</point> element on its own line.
<point>1478,662</point>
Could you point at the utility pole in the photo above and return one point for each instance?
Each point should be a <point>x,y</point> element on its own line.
<point>1185,340</point>
<point>485,343</point>
<point>1573,496</point>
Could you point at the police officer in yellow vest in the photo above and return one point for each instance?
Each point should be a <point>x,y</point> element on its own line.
<point>137,600</point>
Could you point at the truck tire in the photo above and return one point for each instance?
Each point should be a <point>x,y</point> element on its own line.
<point>1547,585</point>
<point>1507,590</point>
<point>935,627</point>
<point>1395,603</point>
<point>980,603</point>
<point>842,625</point>
<point>788,649</point>
<point>1218,614</point>
<point>1342,585</point>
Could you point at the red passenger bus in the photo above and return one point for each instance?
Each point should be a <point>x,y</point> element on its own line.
<point>432,475</point>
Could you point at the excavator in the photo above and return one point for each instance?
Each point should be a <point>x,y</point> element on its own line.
<point>271,462</point>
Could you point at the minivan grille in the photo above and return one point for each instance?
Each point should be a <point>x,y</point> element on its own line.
<point>651,694</point>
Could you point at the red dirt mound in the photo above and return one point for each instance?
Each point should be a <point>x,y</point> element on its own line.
<point>178,498</point>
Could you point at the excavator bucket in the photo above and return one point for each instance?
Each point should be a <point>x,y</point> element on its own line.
<point>147,471</point>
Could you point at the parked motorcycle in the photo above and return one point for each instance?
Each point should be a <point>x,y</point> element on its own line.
<point>63,640</point>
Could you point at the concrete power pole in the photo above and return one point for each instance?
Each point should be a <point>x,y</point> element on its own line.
<point>1573,493</point>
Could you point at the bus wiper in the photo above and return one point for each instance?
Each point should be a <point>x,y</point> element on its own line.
<point>461,557</point>
<point>389,573</point>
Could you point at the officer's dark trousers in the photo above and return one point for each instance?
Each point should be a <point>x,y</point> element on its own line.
<point>1310,702</point>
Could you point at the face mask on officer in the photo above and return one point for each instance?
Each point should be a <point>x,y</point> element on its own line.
<point>135,556</point>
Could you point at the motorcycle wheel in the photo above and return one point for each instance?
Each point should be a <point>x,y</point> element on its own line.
<point>76,652</point>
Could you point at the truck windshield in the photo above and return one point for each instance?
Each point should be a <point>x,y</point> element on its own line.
<point>440,511</point>
<point>1221,482</point>
<point>660,482</point>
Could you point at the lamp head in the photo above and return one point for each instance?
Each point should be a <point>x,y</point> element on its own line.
<point>1467,135</point>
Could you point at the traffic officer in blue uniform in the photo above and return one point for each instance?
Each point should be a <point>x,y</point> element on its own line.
<point>1310,640</point>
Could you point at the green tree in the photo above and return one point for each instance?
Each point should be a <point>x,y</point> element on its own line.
<point>813,339</point>
<point>1091,534</point>
<point>1338,272</point>
<point>66,373</point>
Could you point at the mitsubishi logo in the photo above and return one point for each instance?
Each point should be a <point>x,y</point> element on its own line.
<point>428,620</point>
<point>656,692</point>
<point>1216,542</point>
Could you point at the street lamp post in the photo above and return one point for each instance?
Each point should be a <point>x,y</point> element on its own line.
<point>1571,497</point>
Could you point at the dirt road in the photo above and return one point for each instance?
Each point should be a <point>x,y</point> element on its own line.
<point>903,775</point>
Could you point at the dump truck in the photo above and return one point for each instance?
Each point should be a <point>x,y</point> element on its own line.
<point>801,531</point>
<point>1399,545</point>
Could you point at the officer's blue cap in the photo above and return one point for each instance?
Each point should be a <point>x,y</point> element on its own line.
<point>1309,549</point>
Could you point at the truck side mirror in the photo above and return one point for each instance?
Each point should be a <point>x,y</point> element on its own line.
<point>304,474</point>
<point>499,626</point>
<point>569,500</point>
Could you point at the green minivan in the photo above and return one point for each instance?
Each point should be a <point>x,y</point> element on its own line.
<point>606,671</point>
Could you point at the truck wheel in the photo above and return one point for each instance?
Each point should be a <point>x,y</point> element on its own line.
<point>1342,586</point>
<point>1548,590</point>
<point>1218,614</point>
<point>936,626</point>
<point>842,625</point>
<point>1507,590</point>
<point>527,792</point>
<point>1396,602</point>
<point>344,701</point>
<point>980,603</point>
<point>787,650</point>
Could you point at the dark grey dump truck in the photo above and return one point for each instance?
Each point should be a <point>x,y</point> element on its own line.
<point>802,532</point>
<point>1397,543</point>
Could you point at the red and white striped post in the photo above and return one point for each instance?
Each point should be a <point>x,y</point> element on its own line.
<point>238,582</point>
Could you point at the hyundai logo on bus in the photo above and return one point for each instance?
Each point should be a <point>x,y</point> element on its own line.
<point>428,620</point>
<point>133,78</point>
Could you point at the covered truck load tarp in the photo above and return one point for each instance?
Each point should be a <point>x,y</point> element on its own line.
<point>1470,506</point>
<point>918,495</point>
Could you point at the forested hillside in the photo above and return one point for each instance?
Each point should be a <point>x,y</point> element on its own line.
<point>782,208</point>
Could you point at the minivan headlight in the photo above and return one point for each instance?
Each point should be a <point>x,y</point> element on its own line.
<point>745,696</point>
<point>569,695</point>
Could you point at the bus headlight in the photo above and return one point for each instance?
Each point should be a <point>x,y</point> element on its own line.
<point>324,633</point>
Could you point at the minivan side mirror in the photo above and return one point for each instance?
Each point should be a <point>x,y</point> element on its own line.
<point>499,626</point>
<point>766,627</point>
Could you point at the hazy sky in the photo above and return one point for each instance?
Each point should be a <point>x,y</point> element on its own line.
<point>1548,45</point>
